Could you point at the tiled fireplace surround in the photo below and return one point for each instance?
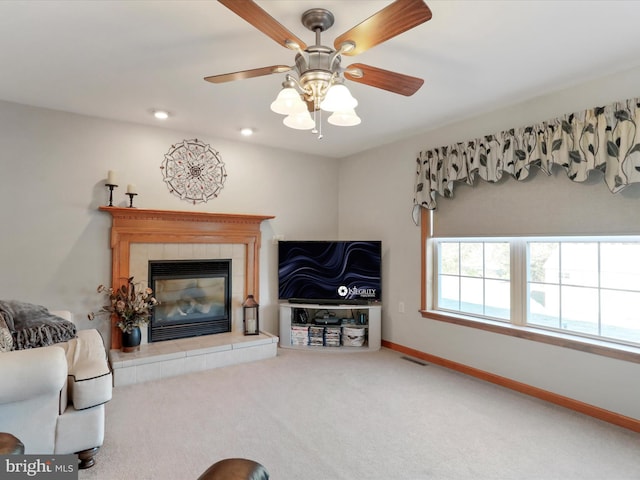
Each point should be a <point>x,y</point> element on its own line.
<point>138,236</point>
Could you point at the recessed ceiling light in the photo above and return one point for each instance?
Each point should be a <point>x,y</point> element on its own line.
<point>161,114</point>
<point>246,132</point>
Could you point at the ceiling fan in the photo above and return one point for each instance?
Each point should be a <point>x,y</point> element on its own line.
<point>317,82</point>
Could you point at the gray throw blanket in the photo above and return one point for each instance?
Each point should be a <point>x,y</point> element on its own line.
<point>34,326</point>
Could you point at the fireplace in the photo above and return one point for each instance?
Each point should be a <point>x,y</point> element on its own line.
<point>194,296</point>
<point>163,234</point>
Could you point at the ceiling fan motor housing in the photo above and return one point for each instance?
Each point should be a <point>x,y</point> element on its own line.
<point>317,70</point>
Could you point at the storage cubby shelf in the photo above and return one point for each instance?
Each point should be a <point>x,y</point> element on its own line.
<point>345,318</point>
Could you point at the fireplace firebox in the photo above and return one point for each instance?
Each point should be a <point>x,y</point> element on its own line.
<point>194,298</point>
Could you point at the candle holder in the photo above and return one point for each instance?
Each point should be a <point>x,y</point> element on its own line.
<point>131,195</point>
<point>111,187</point>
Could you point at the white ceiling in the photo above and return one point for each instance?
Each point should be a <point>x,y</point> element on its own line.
<point>122,59</point>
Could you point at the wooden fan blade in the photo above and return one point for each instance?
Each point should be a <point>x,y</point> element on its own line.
<point>256,72</point>
<point>256,16</point>
<point>396,18</point>
<point>384,79</point>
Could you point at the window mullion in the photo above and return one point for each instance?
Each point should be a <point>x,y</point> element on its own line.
<point>518,281</point>
<point>599,289</point>
<point>484,278</point>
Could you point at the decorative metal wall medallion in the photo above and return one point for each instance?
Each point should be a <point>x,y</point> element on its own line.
<point>193,171</point>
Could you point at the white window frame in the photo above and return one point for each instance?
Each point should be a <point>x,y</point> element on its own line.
<point>519,265</point>
<point>567,339</point>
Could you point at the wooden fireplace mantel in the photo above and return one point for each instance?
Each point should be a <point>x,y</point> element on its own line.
<point>135,225</point>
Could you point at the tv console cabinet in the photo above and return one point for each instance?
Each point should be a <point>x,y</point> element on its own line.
<point>332,328</point>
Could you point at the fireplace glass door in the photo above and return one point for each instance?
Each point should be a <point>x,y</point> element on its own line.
<point>194,298</point>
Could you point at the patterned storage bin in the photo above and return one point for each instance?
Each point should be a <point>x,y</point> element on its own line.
<point>353,336</point>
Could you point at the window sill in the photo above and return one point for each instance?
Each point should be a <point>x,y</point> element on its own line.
<point>596,347</point>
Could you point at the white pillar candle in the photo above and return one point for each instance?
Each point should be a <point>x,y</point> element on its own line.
<point>251,325</point>
<point>131,188</point>
<point>111,177</point>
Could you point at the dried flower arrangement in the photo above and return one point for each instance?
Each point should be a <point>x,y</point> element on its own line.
<point>131,303</point>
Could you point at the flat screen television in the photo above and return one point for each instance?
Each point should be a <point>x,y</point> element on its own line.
<point>336,272</point>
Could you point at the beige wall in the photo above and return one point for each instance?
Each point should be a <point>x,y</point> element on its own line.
<point>53,165</point>
<point>384,201</point>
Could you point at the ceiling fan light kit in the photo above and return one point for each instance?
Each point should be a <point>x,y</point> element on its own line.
<point>300,121</point>
<point>345,118</point>
<point>317,82</point>
<point>338,98</point>
<point>288,102</point>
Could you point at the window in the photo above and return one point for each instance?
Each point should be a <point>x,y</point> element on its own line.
<point>474,277</point>
<point>583,286</point>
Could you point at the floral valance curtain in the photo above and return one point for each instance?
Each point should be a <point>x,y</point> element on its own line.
<point>603,138</point>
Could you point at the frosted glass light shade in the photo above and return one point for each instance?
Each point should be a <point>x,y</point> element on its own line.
<point>344,118</point>
<point>300,121</point>
<point>338,98</point>
<point>288,102</point>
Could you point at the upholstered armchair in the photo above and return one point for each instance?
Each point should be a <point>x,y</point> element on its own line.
<point>52,398</point>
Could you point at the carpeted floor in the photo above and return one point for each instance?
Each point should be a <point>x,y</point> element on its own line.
<point>371,415</point>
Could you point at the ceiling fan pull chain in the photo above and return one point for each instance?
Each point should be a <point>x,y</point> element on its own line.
<point>315,118</point>
<point>318,111</point>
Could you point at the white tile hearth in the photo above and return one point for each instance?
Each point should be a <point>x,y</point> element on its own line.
<point>177,357</point>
